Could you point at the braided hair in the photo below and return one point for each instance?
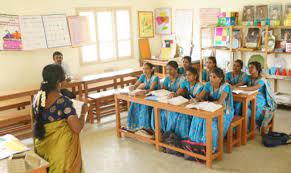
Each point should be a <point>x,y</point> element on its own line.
<point>219,73</point>
<point>52,74</point>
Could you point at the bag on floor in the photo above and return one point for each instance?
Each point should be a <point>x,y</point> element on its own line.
<point>173,140</point>
<point>273,139</point>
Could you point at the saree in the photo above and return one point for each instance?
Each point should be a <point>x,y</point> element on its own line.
<point>61,148</point>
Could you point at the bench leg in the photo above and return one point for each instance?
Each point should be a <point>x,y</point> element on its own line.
<point>98,112</point>
<point>238,134</point>
<point>90,114</point>
<point>229,140</point>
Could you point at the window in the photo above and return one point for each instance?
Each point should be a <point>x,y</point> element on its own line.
<point>110,32</point>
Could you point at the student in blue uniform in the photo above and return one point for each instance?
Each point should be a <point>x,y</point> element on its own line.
<point>237,78</point>
<point>265,99</point>
<point>210,65</point>
<point>171,83</point>
<point>180,123</point>
<point>186,65</point>
<point>139,115</point>
<point>217,91</point>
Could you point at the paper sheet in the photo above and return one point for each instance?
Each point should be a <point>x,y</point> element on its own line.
<point>10,145</point>
<point>78,106</point>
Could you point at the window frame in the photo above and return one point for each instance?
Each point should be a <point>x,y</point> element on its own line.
<point>115,37</point>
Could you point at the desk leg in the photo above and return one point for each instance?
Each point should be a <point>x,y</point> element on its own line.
<point>80,92</point>
<point>220,135</point>
<point>245,122</point>
<point>253,118</point>
<point>209,142</point>
<point>157,128</point>
<point>117,112</point>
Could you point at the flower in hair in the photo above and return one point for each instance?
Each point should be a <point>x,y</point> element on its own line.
<point>43,98</point>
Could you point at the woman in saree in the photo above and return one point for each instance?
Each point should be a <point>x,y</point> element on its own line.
<point>210,65</point>
<point>219,92</point>
<point>186,65</point>
<point>139,116</point>
<point>236,78</point>
<point>171,83</point>
<point>265,104</point>
<point>56,125</point>
<point>190,88</point>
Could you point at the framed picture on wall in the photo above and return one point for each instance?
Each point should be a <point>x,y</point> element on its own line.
<point>248,13</point>
<point>261,12</point>
<point>163,21</point>
<point>145,24</point>
<point>275,14</point>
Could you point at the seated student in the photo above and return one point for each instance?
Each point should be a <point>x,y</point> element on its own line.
<point>265,99</point>
<point>218,91</point>
<point>237,78</point>
<point>139,116</point>
<point>171,83</point>
<point>56,125</point>
<point>58,59</point>
<point>211,64</point>
<point>186,65</point>
<point>180,123</point>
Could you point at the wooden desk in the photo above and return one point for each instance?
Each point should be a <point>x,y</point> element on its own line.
<point>157,141</point>
<point>245,99</point>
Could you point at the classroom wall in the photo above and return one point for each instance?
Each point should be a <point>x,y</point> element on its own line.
<point>23,69</point>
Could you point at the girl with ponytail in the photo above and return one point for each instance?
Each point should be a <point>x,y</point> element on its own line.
<point>56,125</point>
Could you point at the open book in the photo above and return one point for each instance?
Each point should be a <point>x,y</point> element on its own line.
<point>206,106</point>
<point>78,106</point>
<point>160,93</point>
<point>243,92</point>
<point>177,100</point>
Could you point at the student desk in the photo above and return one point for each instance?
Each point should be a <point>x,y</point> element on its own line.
<point>181,109</point>
<point>245,99</point>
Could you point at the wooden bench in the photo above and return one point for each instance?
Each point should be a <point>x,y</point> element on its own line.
<point>99,91</point>
<point>232,139</point>
<point>17,123</point>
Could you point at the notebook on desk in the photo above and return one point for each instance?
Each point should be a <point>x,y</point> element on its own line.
<point>243,92</point>
<point>206,106</point>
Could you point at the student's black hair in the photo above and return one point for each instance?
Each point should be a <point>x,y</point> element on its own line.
<point>51,74</point>
<point>151,66</point>
<point>56,53</point>
<point>257,65</point>
<point>213,59</point>
<point>194,71</point>
<point>188,58</point>
<point>173,64</point>
<point>241,63</point>
<point>219,73</point>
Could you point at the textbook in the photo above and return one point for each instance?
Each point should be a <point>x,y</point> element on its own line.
<point>10,145</point>
<point>78,106</point>
<point>206,106</point>
<point>243,92</point>
<point>159,93</point>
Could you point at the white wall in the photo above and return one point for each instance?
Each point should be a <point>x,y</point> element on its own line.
<point>23,69</point>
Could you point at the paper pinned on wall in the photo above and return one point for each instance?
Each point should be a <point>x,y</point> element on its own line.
<point>56,30</point>
<point>208,16</point>
<point>79,30</point>
<point>32,30</point>
<point>10,36</point>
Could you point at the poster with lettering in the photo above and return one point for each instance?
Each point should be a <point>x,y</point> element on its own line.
<point>10,37</point>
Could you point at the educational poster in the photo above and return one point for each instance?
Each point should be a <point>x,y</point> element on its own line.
<point>79,30</point>
<point>10,37</point>
<point>56,30</point>
<point>208,16</point>
<point>33,35</point>
<point>221,37</point>
<point>184,31</point>
<point>163,21</point>
<point>145,24</point>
